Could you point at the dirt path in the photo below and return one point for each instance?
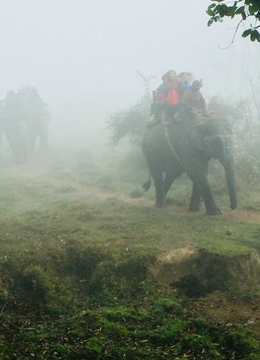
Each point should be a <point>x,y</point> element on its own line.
<point>36,175</point>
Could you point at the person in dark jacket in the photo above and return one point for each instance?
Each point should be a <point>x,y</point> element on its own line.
<point>194,98</point>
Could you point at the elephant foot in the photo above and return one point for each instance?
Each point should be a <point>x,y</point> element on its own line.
<point>194,207</point>
<point>191,209</point>
<point>233,205</point>
<point>214,211</point>
<point>160,204</point>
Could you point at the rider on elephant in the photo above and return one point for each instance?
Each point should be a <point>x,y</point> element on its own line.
<point>194,98</point>
<point>12,107</point>
<point>165,93</point>
<point>31,103</point>
<point>170,82</point>
<point>35,112</point>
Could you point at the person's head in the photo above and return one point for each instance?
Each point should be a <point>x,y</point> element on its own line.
<point>196,85</point>
<point>185,77</point>
<point>170,75</point>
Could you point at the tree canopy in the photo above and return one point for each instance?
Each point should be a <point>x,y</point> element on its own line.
<point>246,9</point>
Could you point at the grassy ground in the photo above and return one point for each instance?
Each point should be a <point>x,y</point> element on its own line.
<point>91,270</point>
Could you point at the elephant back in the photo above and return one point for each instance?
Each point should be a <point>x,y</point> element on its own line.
<point>182,113</point>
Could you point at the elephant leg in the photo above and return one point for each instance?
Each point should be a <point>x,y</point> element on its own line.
<point>171,176</point>
<point>211,207</point>
<point>16,153</point>
<point>33,133</point>
<point>157,176</point>
<point>167,183</point>
<point>195,198</point>
<point>24,153</point>
<point>44,137</point>
<point>159,191</point>
<point>199,176</point>
<point>231,182</point>
<point>1,140</point>
<point>32,142</point>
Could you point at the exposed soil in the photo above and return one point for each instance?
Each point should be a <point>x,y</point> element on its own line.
<point>222,307</point>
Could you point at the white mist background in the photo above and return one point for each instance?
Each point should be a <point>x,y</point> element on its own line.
<point>83,56</point>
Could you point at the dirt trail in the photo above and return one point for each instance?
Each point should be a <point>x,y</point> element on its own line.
<point>40,174</point>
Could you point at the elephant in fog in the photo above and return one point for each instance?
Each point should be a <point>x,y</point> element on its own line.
<point>39,128</point>
<point>17,135</point>
<point>22,131</point>
<point>182,142</point>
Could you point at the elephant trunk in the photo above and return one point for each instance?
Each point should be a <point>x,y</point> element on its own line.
<point>221,148</point>
<point>231,181</point>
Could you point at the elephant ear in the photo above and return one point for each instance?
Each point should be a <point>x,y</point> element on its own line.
<point>196,139</point>
<point>216,126</point>
<point>214,147</point>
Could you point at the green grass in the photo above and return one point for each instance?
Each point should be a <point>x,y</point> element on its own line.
<point>75,257</point>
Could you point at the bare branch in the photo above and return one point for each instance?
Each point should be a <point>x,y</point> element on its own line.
<point>233,36</point>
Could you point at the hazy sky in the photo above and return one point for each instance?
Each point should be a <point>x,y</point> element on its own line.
<point>83,55</point>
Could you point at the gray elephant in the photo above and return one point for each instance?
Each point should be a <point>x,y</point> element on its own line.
<point>32,109</point>
<point>23,118</point>
<point>17,135</point>
<point>39,128</point>
<point>180,143</point>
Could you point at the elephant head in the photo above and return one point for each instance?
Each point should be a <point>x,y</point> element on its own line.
<point>217,143</point>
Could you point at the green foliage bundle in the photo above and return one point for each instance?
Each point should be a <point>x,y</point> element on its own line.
<point>244,8</point>
<point>131,122</point>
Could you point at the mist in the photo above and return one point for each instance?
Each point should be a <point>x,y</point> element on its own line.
<point>83,56</point>
<point>106,252</point>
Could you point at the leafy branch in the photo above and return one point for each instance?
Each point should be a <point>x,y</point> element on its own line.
<point>244,8</point>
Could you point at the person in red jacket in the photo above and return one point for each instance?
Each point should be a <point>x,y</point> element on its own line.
<point>170,83</point>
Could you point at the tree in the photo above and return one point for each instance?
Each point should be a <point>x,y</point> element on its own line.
<point>246,9</point>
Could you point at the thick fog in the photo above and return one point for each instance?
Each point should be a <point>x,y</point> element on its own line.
<point>83,56</point>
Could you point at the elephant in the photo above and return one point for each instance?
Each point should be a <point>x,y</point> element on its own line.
<point>182,142</point>
<point>21,133</point>
<point>17,135</point>
<point>39,128</point>
<point>24,117</point>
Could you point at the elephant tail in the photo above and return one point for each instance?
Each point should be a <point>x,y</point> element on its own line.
<point>147,184</point>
